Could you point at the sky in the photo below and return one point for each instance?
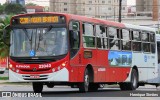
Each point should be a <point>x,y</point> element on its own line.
<point>129,2</point>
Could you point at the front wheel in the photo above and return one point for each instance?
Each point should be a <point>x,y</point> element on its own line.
<point>37,87</point>
<point>83,87</point>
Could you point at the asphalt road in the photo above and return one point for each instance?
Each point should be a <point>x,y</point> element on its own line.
<point>67,93</point>
<point>63,92</point>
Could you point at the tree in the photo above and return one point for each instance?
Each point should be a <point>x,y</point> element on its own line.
<point>1,9</point>
<point>14,9</point>
<point>4,49</point>
<point>31,4</point>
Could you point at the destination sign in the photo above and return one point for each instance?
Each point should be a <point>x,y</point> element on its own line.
<point>50,19</point>
<point>38,19</point>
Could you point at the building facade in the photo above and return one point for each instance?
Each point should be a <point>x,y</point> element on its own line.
<point>145,5</point>
<point>92,8</point>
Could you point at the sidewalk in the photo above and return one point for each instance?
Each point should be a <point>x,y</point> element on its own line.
<point>3,81</point>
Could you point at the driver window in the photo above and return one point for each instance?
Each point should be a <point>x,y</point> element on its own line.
<point>74,37</point>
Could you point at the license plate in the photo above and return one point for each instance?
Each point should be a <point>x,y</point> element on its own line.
<point>34,76</point>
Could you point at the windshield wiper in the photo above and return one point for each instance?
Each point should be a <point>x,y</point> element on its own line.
<point>41,36</point>
<point>30,40</point>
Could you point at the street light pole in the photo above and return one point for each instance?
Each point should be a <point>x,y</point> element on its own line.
<point>120,11</point>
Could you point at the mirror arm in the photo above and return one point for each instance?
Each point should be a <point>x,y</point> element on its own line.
<point>4,34</point>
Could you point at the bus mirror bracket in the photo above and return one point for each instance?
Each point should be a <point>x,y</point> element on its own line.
<point>5,29</point>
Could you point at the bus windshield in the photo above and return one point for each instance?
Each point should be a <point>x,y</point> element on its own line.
<point>38,42</point>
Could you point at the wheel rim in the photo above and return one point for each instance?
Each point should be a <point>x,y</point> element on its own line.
<point>86,80</point>
<point>134,81</point>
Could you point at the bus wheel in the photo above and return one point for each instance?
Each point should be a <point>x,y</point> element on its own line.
<point>131,85</point>
<point>134,81</point>
<point>83,87</point>
<point>93,87</point>
<point>123,86</point>
<point>37,87</point>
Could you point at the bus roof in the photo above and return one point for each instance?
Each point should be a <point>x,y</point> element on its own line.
<point>137,27</point>
<point>95,20</point>
<point>80,18</point>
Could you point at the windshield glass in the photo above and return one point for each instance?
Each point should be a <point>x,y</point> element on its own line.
<point>38,42</point>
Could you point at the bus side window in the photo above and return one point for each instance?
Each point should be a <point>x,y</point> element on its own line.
<point>126,40</point>
<point>114,38</point>
<point>152,40</point>
<point>88,35</point>
<point>145,42</point>
<point>136,41</point>
<point>101,36</point>
<point>74,37</point>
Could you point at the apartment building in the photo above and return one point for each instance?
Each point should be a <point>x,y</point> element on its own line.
<point>145,5</point>
<point>92,8</point>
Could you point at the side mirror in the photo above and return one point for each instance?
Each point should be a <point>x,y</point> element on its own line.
<point>74,26</point>
<point>6,36</point>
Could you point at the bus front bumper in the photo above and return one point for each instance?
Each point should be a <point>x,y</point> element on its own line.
<point>59,76</point>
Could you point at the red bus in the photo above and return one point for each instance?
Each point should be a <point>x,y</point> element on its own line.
<point>63,49</point>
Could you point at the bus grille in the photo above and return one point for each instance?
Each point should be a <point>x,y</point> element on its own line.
<point>32,61</point>
<point>37,60</point>
<point>42,77</point>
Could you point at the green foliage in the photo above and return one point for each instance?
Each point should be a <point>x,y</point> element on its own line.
<point>4,49</point>
<point>1,9</point>
<point>31,4</point>
<point>14,9</point>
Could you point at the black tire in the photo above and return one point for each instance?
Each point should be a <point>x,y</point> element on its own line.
<point>123,86</point>
<point>1,72</point>
<point>83,87</point>
<point>133,84</point>
<point>93,87</point>
<point>37,87</point>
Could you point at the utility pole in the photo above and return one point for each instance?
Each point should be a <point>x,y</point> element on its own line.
<point>120,11</point>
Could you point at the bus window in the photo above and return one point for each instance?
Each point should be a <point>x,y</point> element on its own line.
<point>152,37</point>
<point>126,40</point>
<point>145,42</point>
<point>153,47</point>
<point>152,40</point>
<point>125,34</point>
<point>126,45</point>
<point>146,47</point>
<point>88,35</point>
<point>136,46</point>
<point>145,37</point>
<point>101,36</point>
<point>136,36</point>
<point>74,37</point>
<point>114,38</point>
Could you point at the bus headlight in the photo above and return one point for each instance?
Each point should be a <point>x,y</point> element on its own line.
<point>17,71</point>
<point>63,64</point>
<point>10,65</point>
